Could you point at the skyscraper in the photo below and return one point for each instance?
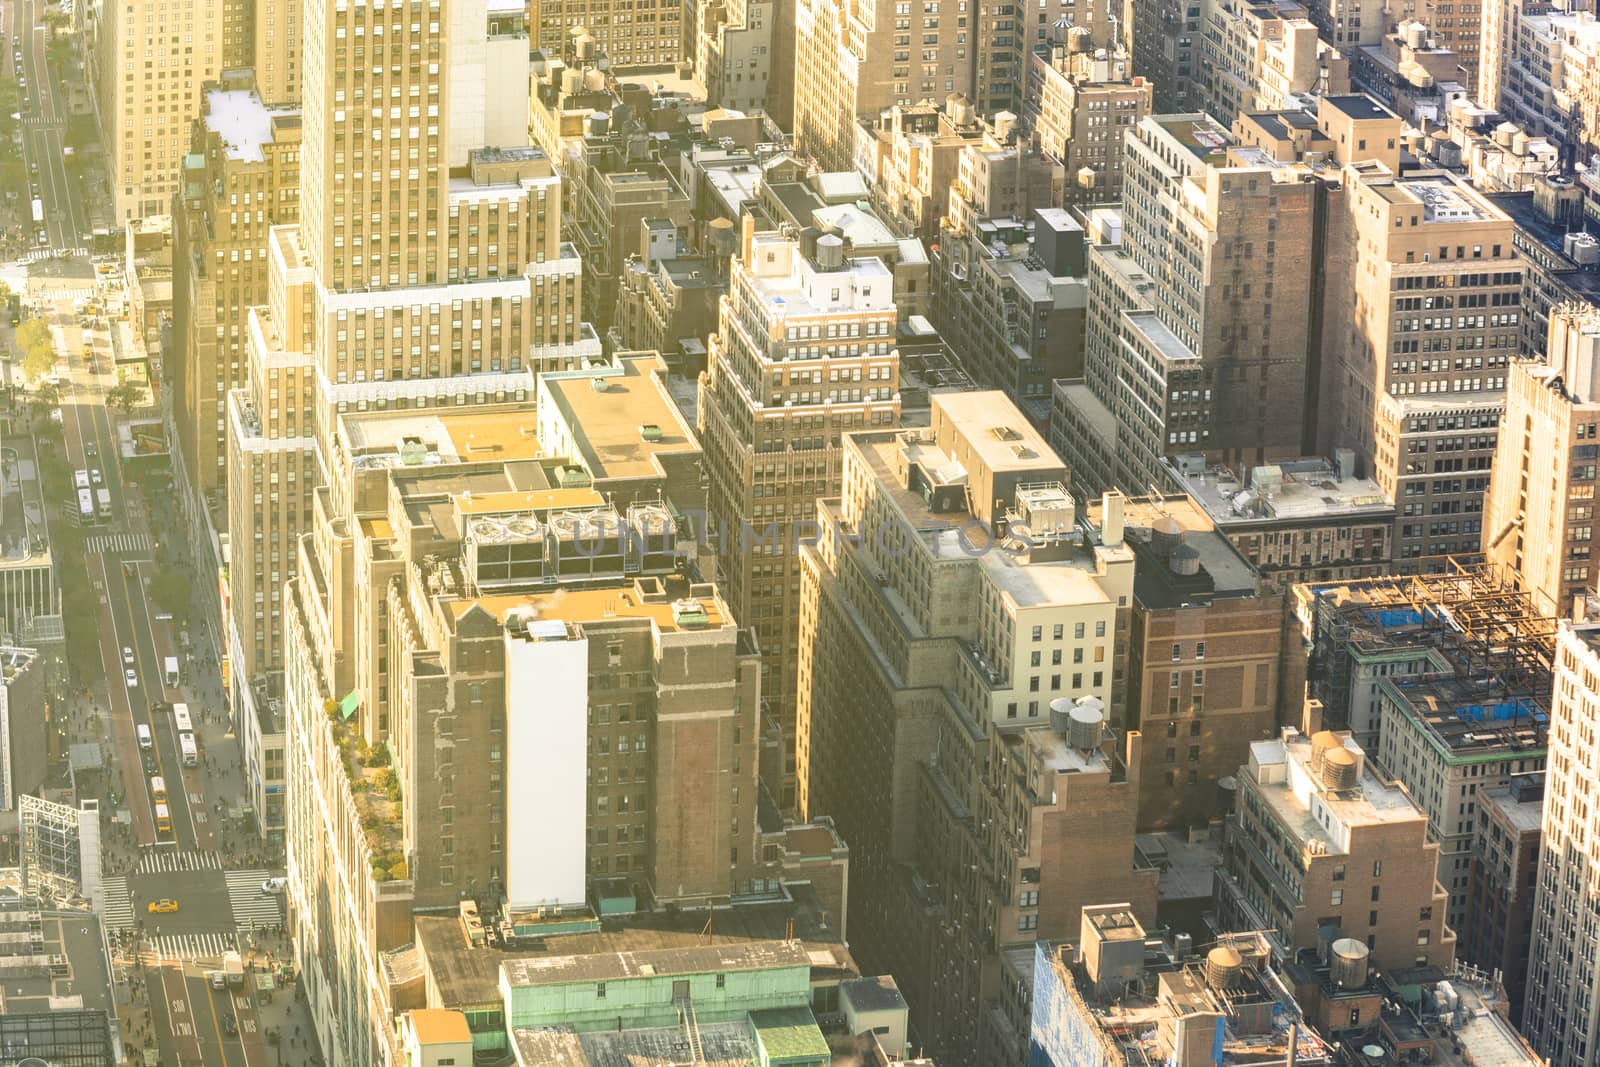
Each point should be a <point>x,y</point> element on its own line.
<point>1559,1016</point>
<point>1209,229</point>
<point>1538,519</point>
<point>241,178</point>
<point>956,685</point>
<point>426,269</point>
<point>804,353</point>
<point>153,60</point>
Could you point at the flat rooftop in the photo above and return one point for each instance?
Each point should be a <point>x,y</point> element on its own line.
<point>608,424</point>
<point>1372,801</point>
<point>1443,200</point>
<point>728,1044</point>
<point>995,430</point>
<point>595,605</point>
<point>446,436</point>
<point>467,975</point>
<point>1305,491</point>
<point>1199,133</point>
<point>1358,106</point>
<point>24,534</point>
<point>619,966</point>
<point>1155,586</point>
<point>953,535</point>
<point>74,935</point>
<point>1525,816</point>
<point>1160,337</point>
<point>242,122</point>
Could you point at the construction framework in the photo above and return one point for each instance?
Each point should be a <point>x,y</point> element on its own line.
<point>1469,611</point>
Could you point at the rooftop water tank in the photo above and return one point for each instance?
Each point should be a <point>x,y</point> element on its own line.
<point>1223,965</point>
<point>1083,727</point>
<point>1347,963</point>
<point>830,251</point>
<point>1339,769</point>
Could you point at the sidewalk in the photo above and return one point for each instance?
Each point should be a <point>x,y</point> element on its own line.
<point>287,1017</point>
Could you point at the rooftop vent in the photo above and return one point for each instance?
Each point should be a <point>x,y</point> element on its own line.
<point>599,385</point>
<point>650,432</point>
<point>1006,433</point>
<point>690,614</point>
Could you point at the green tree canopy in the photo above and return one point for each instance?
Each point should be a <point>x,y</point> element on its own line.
<point>33,345</point>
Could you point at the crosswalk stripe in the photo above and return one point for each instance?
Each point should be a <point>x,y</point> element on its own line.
<point>166,861</point>
<point>192,946</point>
<point>249,903</point>
<point>118,542</point>
<point>116,908</point>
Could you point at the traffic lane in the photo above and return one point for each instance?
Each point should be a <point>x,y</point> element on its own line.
<point>225,1003</point>
<point>148,665</point>
<point>127,635</point>
<point>110,454</point>
<point>173,1015</point>
<point>124,737</point>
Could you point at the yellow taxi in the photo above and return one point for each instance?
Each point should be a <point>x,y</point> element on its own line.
<point>163,907</point>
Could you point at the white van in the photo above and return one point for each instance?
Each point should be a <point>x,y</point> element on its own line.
<point>144,736</point>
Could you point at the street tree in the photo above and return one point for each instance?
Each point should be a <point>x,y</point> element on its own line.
<point>33,346</point>
<point>123,397</point>
<point>46,395</point>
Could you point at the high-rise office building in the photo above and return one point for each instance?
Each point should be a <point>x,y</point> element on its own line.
<point>1211,658</point>
<point>1209,229</point>
<point>1503,884</point>
<point>154,60</point>
<point>805,353</point>
<point>1563,958</point>
<point>964,647</point>
<point>742,55</point>
<point>649,34</point>
<point>1499,27</point>
<point>853,60</point>
<point>426,269</point>
<point>1079,105</point>
<point>1538,519</point>
<point>278,40</point>
<point>1424,322</point>
<point>241,178</point>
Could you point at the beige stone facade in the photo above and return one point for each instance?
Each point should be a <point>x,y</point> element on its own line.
<point>241,178</point>
<point>937,668</point>
<point>1538,520</point>
<point>154,60</point>
<point>1425,325</point>
<point>804,354</point>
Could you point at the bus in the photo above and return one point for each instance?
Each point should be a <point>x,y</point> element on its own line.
<point>85,504</point>
<point>103,502</point>
<point>191,755</point>
<point>163,819</point>
<point>158,789</point>
<point>80,478</point>
<point>180,718</point>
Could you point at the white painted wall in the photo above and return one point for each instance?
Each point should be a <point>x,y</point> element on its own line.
<point>547,749</point>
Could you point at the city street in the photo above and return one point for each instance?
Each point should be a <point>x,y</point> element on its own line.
<point>44,129</point>
<point>208,861</point>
